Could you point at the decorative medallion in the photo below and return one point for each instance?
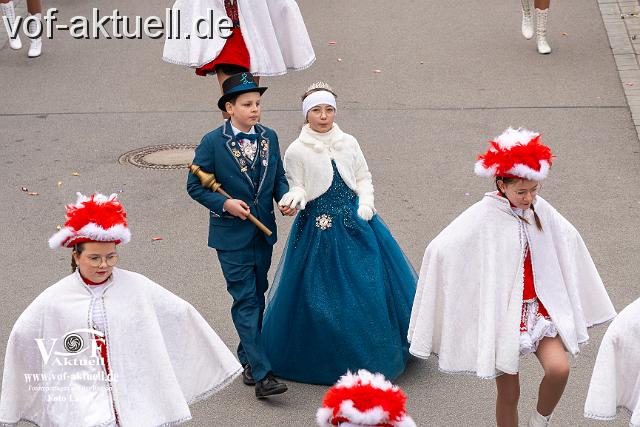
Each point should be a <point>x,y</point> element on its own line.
<point>323,222</point>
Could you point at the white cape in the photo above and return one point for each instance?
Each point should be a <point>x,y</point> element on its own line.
<point>273,31</point>
<point>162,354</point>
<point>616,376</point>
<point>469,298</point>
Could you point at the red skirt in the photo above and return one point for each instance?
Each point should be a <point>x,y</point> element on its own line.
<point>234,52</point>
<point>529,293</point>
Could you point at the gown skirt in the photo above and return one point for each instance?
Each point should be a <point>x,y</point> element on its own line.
<point>342,295</point>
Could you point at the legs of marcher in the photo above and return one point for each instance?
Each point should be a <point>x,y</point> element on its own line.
<point>508,394</point>
<point>542,14</point>
<point>240,269</point>
<point>9,11</point>
<point>542,4</point>
<point>555,363</point>
<point>263,262</point>
<point>527,19</point>
<point>35,8</point>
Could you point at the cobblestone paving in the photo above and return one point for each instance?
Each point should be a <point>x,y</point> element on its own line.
<point>622,21</point>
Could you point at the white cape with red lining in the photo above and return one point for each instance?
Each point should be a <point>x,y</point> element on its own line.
<point>162,353</point>
<point>469,298</point>
<point>273,31</point>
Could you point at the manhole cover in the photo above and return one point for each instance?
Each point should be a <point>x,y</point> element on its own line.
<point>171,156</point>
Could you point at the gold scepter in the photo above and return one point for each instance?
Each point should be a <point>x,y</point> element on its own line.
<point>208,180</point>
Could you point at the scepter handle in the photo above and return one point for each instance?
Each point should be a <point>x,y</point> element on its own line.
<point>208,180</point>
<point>260,225</point>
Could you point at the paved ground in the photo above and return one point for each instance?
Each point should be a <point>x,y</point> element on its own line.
<point>453,74</point>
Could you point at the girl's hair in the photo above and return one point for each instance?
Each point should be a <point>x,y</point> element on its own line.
<point>77,249</point>
<point>508,181</point>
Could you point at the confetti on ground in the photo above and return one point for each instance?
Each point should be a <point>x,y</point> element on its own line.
<point>32,193</point>
<point>156,238</point>
<point>421,62</point>
<point>629,83</point>
<point>332,42</point>
<point>633,37</point>
<point>75,173</point>
<point>25,189</point>
<point>377,71</point>
<point>339,59</point>
<point>59,184</point>
<point>467,194</point>
<point>564,34</point>
<point>58,227</point>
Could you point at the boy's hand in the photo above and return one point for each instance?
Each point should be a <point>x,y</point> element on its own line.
<point>237,208</point>
<point>286,210</point>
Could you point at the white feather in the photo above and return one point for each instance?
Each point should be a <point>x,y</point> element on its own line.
<point>60,237</point>
<point>511,137</point>
<point>323,417</point>
<point>526,172</point>
<point>481,170</point>
<point>95,232</point>
<point>371,416</point>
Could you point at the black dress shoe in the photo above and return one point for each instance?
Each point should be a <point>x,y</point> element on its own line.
<point>247,375</point>
<point>269,386</point>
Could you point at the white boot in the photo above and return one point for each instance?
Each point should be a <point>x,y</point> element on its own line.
<point>538,420</point>
<point>10,12</point>
<point>36,44</point>
<point>541,31</point>
<point>527,19</point>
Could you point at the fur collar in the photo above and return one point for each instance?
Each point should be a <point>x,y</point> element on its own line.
<point>321,141</point>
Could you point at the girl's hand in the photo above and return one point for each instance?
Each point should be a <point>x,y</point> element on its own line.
<point>293,199</point>
<point>286,210</point>
<point>365,212</point>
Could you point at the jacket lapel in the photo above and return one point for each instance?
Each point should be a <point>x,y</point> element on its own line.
<point>234,150</point>
<point>264,147</point>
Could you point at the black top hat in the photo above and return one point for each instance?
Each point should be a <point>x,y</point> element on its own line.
<point>238,84</point>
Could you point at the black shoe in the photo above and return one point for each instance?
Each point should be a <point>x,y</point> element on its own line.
<point>269,386</point>
<point>247,375</point>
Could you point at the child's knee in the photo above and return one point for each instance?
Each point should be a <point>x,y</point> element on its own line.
<point>558,370</point>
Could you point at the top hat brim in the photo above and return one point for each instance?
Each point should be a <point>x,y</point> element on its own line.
<point>226,97</point>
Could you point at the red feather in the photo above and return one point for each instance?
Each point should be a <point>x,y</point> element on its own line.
<point>105,214</point>
<point>529,155</point>
<point>365,397</point>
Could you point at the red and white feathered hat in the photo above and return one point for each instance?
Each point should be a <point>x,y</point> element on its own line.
<point>96,218</point>
<point>516,154</point>
<point>364,399</point>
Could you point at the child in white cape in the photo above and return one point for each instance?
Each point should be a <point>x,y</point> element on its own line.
<point>508,277</point>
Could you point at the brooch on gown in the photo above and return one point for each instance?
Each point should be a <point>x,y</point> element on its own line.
<point>323,222</point>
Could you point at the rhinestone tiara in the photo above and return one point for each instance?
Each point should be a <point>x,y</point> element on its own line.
<point>318,86</point>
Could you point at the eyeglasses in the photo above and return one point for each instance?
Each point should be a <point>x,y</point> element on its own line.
<point>96,260</point>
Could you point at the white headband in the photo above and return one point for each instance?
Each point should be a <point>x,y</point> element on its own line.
<point>317,98</point>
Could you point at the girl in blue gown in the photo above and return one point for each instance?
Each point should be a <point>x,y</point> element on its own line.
<point>342,296</point>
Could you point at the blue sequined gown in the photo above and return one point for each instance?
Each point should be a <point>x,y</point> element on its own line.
<point>341,299</point>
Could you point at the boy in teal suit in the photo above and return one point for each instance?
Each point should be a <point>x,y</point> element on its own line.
<point>245,158</point>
